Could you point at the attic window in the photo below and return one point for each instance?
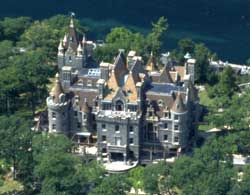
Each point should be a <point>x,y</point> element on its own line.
<point>129,92</point>
<point>89,83</point>
<point>160,102</point>
<point>80,82</point>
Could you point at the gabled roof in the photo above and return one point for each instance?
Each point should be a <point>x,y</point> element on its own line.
<point>130,87</point>
<point>181,71</point>
<point>165,76</point>
<point>112,82</point>
<point>120,67</point>
<point>85,107</point>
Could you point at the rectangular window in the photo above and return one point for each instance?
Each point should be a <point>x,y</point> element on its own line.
<point>117,141</point>
<point>103,126</point>
<point>117,128</point>
<point>53,115</point>
<point>150,113</point>
<point>165,125</point>
<point>176,139</point>
<point>165,137</point>
<point>131,140</point>
<point>176,117</point>
<point>131,129</point>
<point>104,138</point>
<point>84,116</point>
<point>132,108</point>
<point>107,106</point>
<point>78,125</point>
<point>75,113</point>
<point>54,126</point>
<point>176,127</point>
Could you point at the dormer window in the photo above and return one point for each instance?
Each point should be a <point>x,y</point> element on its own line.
<point>89,83</point>
<point>160,103</point>
<point>119,106</point>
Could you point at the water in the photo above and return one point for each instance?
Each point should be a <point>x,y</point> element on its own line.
<point>224,25</point>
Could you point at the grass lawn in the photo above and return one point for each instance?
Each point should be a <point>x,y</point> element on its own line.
<point>205,100</point>
<point>210,105</point>
<point>205,127</point>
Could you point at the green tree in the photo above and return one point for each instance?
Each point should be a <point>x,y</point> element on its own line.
<point>57,170</point>
<point>201,54</point>
<point>120,38</point>
<point>14,27</point>
<point>227,83</point>
<point>112,185</point>
<point>15,144</point>
<point>33,74</point>
<point>155,37</point>
<point>136,177</point>
<point>152,175</point>
<point>6,51</point>
<point>209,171</point>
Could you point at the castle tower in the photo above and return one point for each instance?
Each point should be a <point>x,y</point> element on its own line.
<point>72,51</point>
<point>58,107</point>
<point>60,55</point>
<point>179,118</point>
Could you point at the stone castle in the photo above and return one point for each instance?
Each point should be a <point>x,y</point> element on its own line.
<point>131,110</point>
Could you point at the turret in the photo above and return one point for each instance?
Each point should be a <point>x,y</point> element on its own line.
<point>65,40</point>
<point>79,50</point>
<point>60,55</point>
<point>58,107</point>
<point>179,118</point>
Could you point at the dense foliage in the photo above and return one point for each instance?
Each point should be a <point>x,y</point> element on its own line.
<point>122,38</point>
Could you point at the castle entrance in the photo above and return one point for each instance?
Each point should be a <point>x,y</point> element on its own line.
<point>117,156</point>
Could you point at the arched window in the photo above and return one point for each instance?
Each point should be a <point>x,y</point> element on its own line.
<point>119,106</point>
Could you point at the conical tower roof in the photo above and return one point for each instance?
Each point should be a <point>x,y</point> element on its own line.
<point>179,106</point>
<point>57,90</point>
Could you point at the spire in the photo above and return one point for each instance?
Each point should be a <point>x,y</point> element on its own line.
<point>65,40</point>
<point>72,25</point>
<point>179,106</point>
<point>79,50</point>
<point>72,34</point>
<point>57,90</point>
<point>151,65</point>
<point>84,38</point>
<point>60,48</point>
